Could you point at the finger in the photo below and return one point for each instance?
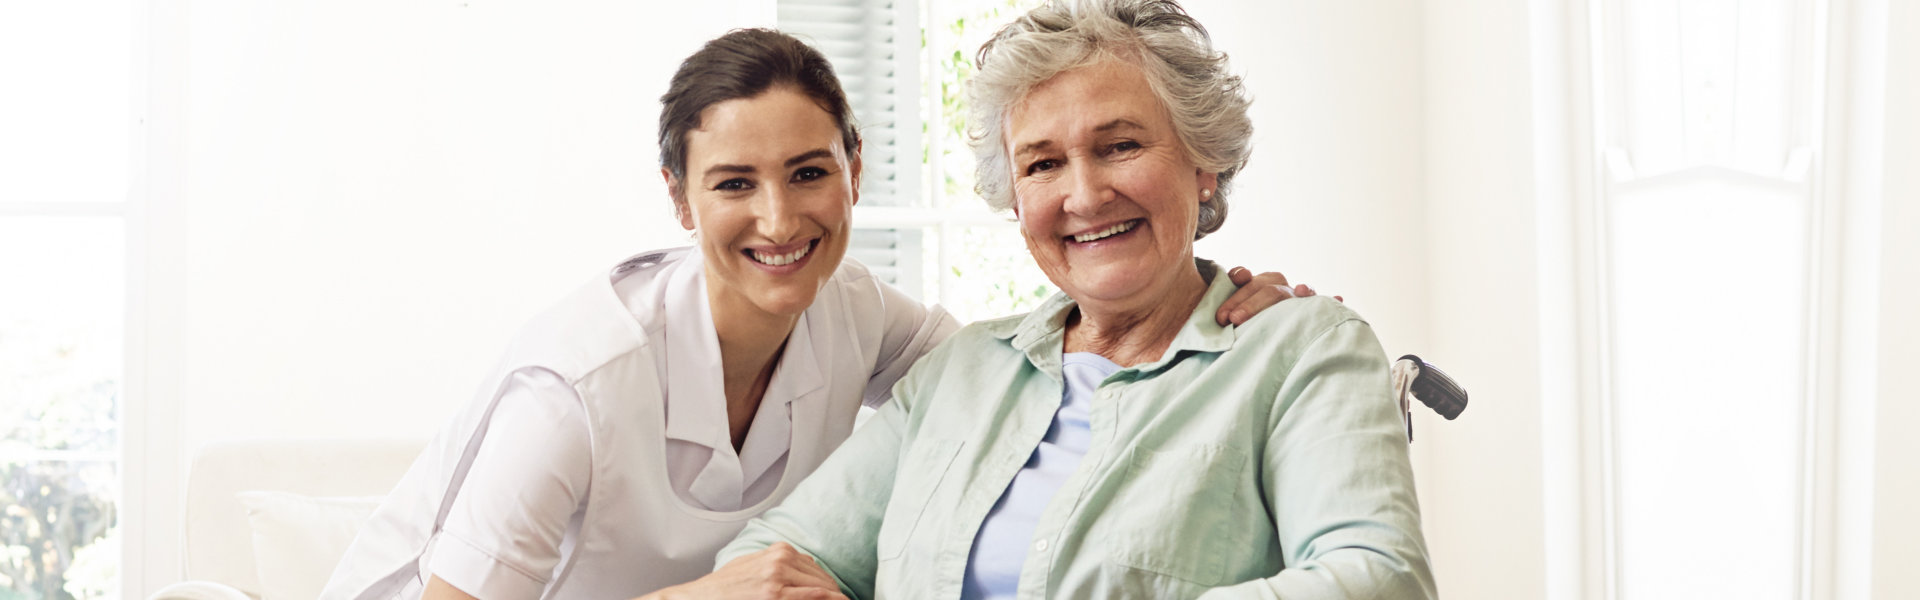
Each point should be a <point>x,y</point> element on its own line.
<point>809,575</point>
<point>801,569</point>
<point>1302,291</point>
<point>1239,276</point>
<point>1270,278</point>
<point>1265,298</point>
<point>1224,315</point>
<point>1262,302</point>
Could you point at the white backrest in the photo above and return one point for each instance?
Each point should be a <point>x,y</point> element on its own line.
<point>219,543</point>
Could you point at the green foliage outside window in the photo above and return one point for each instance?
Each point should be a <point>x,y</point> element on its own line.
<point>59,480</point>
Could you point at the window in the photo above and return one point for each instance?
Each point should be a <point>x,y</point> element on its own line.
<point>1707,129</point>
<point>919,224</point>
<point>66,168</point>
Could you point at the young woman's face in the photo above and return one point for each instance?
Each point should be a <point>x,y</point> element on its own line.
<point>769,194</point>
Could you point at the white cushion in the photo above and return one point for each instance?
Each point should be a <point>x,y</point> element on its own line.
<point>219,542</point>
<point>298,539</point>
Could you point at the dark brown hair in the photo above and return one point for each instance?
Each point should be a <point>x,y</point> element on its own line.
<point>745,63</point>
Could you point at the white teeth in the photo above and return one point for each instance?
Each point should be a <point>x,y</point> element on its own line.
<point>1110,231</point>
<point>782,259</point>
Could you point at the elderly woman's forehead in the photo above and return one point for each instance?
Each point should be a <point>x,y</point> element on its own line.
<point>1076,93</point>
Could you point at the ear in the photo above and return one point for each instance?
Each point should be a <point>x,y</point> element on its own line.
<point>1209,182</point>
<point>679,196</point>
<point>853,167</point>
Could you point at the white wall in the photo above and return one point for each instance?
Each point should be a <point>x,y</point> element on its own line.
<point>1485,512</point>
<point>1332,195</point>
<point>1895,525</point>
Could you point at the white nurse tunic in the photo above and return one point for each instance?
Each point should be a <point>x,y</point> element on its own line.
<point>596,462</point>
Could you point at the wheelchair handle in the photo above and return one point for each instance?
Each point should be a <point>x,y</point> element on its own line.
<point>1435,389</point>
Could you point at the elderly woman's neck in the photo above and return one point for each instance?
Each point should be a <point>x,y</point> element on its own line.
<point>1132,335</point>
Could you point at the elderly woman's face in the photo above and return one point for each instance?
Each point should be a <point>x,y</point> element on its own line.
<point>1106,196</point>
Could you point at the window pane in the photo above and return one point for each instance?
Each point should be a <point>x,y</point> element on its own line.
<point>991,274</point>
<point>955,31</point>
<point>61,347</point>
<point>64,120</point>
<point>59,530</point>
<point>1708,280</point>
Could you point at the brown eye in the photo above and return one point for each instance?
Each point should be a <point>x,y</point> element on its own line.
<point>1041,166</point>
<point>733,185</point>
<point>809,174</point>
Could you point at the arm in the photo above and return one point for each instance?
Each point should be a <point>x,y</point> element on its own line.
<point>439,589</point>
<point>1339,481</point>
<point>502,535</point>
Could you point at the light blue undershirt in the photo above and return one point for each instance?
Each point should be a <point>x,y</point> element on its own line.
<point>993,567</point>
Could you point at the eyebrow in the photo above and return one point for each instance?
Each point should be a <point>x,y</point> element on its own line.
<point>1120,123</point>
<point>1108,127</point>
<point>800,158</point>
<point>810,155</point>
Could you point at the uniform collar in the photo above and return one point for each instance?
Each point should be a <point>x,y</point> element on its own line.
<point>696,411</point>
<point>692,353</point>
<point>1040,334</point>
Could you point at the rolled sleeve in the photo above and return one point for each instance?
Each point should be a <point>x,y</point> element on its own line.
<point>504,531</point>
<point>482,575</point>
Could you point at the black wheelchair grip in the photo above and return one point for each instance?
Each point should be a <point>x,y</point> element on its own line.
<point>1438,391</point>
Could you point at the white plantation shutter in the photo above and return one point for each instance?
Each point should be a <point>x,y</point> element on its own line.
<point>892,254</point>
<point>874,46</point>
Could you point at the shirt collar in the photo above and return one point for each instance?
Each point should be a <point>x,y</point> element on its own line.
<point>1040,334</point>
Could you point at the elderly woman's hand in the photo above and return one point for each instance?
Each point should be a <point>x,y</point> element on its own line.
<point>1257,293</point>
<point>776,572</point>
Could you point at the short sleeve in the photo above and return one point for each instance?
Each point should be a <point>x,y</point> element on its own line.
<point>504,531</point>
<point>912,329</point>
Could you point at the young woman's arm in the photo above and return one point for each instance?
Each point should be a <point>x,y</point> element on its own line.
<point>503,532</point>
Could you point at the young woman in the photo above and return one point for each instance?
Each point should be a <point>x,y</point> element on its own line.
<point>635,428</point>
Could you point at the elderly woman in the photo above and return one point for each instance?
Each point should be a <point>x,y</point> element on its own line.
<point>1116,441</point>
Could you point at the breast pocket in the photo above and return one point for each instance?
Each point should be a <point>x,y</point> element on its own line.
<point>1181,502</point>
<point>914,483</point>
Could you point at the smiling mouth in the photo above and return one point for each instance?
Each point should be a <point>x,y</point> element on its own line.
<point>1115,229</point>
<point>781,260</point>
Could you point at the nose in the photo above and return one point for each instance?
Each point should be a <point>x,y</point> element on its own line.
<point>1091,190</point>
<point>779,215</point>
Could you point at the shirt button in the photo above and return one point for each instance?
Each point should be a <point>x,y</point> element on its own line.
<point>1106,394</point>
<point>1040,546</point>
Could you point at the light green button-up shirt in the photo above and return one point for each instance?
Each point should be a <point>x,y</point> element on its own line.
<point>1264,461</point>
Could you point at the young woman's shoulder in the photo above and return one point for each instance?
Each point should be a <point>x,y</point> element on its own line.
<point>608,317</point>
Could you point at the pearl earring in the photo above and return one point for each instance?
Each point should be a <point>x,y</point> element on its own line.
<point>1206,195</point>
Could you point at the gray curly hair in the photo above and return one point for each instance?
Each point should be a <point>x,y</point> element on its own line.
<point>1207,102</point>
